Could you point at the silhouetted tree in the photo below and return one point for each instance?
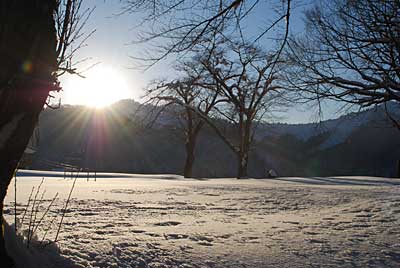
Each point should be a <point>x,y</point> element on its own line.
<point>186,26</point>
<point>179,26</point>
<point>34,37</point>
<point>188,99</point>
<point>245,78</point>
<point>350,53</point>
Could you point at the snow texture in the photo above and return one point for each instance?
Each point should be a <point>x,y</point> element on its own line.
<point>124,220</point>
<point>36,256</point>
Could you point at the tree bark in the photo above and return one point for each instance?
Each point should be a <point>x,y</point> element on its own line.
<point>190,146</point>
<point>15,133</point>
<point>243,153</point>
<point>28,58</point>
<point>188,169</point>
<point>243,160</point>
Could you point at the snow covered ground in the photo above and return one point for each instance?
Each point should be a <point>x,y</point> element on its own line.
<point>124,220</point>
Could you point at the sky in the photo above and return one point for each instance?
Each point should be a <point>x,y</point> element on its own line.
<point>110,50</point>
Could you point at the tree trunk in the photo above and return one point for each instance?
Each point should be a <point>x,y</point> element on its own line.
<point>22,114</point>
<point>188,169</point>
<point>243,160</point>
<point>190,150</point>
<point>244,148</point>
<point>28,59</point>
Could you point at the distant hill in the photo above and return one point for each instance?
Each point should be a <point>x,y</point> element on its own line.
<point>116,140</point>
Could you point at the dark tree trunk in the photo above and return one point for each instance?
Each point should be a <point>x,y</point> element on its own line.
<point>28,62</point>
<point>188,169</point>
<point>15,133</point>
<point>243,153</point>
<point>190,147</point>
<point>243,160</point>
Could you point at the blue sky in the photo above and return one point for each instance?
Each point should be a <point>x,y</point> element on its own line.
<point>109,47</point>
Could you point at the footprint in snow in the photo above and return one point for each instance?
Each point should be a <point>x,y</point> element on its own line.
<point>168,223</point>
<point>205,243</point>
<point>138,231</point>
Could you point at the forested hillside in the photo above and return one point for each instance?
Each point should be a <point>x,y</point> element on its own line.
<point>118,140</point>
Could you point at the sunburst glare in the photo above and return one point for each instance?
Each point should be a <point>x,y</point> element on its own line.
<point>101,87</point>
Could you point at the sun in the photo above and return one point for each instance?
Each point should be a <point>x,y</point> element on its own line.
<point>101,87</point>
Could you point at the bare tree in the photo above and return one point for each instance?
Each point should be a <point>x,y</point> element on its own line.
<point>188,99</point>
<point>184,27</point>
<point>179,26</point>
<point>350,53</point>
<point>245,79</point>
<point>34,40</point>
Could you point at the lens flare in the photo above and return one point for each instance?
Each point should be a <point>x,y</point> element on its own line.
<point>101,87</point>
<point>27,67</point>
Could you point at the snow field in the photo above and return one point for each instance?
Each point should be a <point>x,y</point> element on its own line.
<point>167,221</point>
